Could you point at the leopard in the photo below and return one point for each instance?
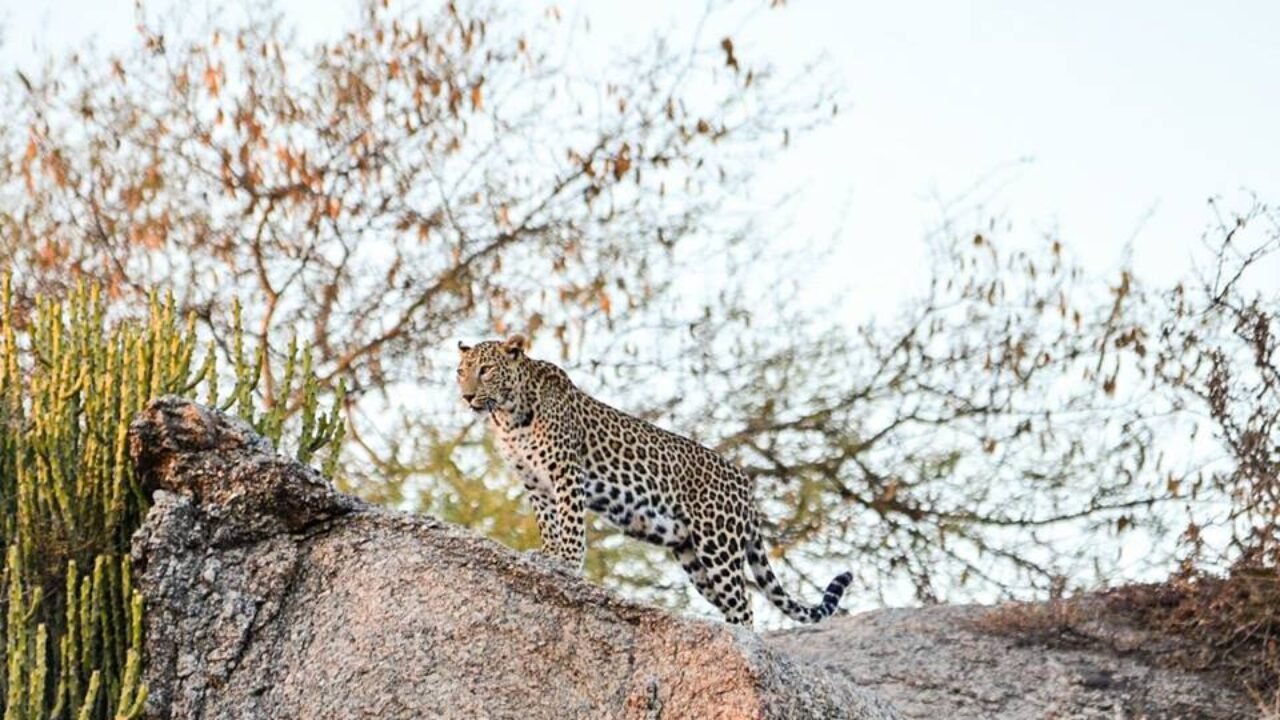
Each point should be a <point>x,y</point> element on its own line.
<point>573,453</point>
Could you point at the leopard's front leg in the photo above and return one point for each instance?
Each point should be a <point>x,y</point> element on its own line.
<point>568,507</point>
<point>559,507</point>
<point>543,508</point>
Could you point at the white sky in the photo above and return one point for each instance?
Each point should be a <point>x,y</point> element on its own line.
<point>1105,122</point>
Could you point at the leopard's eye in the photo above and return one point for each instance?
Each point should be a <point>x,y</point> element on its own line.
<point>483,370</point>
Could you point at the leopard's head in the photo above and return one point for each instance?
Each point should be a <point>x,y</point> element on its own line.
<point>490,374</point>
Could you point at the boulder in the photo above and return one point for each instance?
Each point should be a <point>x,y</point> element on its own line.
<point>270,595</point>
<point>1026,661</point>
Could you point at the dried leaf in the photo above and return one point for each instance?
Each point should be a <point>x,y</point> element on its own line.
<point>729,58</point>
<point>622,163</point>
<point>212,79</point>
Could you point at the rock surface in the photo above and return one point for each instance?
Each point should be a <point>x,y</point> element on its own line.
<point>945,662</point>
<point>270,595</point>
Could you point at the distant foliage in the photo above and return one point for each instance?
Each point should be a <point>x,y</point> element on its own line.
<point>1012,429</point>
<point>1198,367</point>
<point>429,173</point>
<point>1218,349</point>
<point>70,383</point>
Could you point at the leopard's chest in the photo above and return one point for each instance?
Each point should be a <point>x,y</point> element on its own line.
<point>517,445</point>
<point>523,449</point>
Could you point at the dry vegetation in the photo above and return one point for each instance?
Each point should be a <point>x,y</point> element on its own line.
<point>1224,626</point>
<point>425,178</point>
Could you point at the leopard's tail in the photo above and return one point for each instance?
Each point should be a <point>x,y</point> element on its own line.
<point>769,585</point>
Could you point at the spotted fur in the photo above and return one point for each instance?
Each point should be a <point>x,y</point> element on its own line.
<point>573,453</point>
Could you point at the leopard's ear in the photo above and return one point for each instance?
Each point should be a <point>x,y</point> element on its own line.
<point>463,347</point>
<point>515,345</point>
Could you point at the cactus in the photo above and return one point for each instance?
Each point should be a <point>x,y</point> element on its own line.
<point>70,382</point>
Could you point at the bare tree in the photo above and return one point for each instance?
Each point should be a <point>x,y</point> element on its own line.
<point>422,179</point>
<point>416,179</point>
<point>380,195</point>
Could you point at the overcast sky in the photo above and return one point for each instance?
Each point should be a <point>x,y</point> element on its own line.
<point>1103,122</point>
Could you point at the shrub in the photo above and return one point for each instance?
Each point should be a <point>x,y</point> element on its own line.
<point>70,382</point>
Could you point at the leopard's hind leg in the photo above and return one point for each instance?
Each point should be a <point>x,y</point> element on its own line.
<point>719,573</point>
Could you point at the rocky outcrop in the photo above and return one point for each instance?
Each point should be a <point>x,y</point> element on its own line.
<point>270,595</point>
<point>1025,662</point>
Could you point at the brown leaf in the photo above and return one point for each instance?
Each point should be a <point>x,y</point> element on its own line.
<point>622,163</point>
<point>729,58</point>
<point>1109,385</point>
<point>455,99</point>
<point>212,79</point>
